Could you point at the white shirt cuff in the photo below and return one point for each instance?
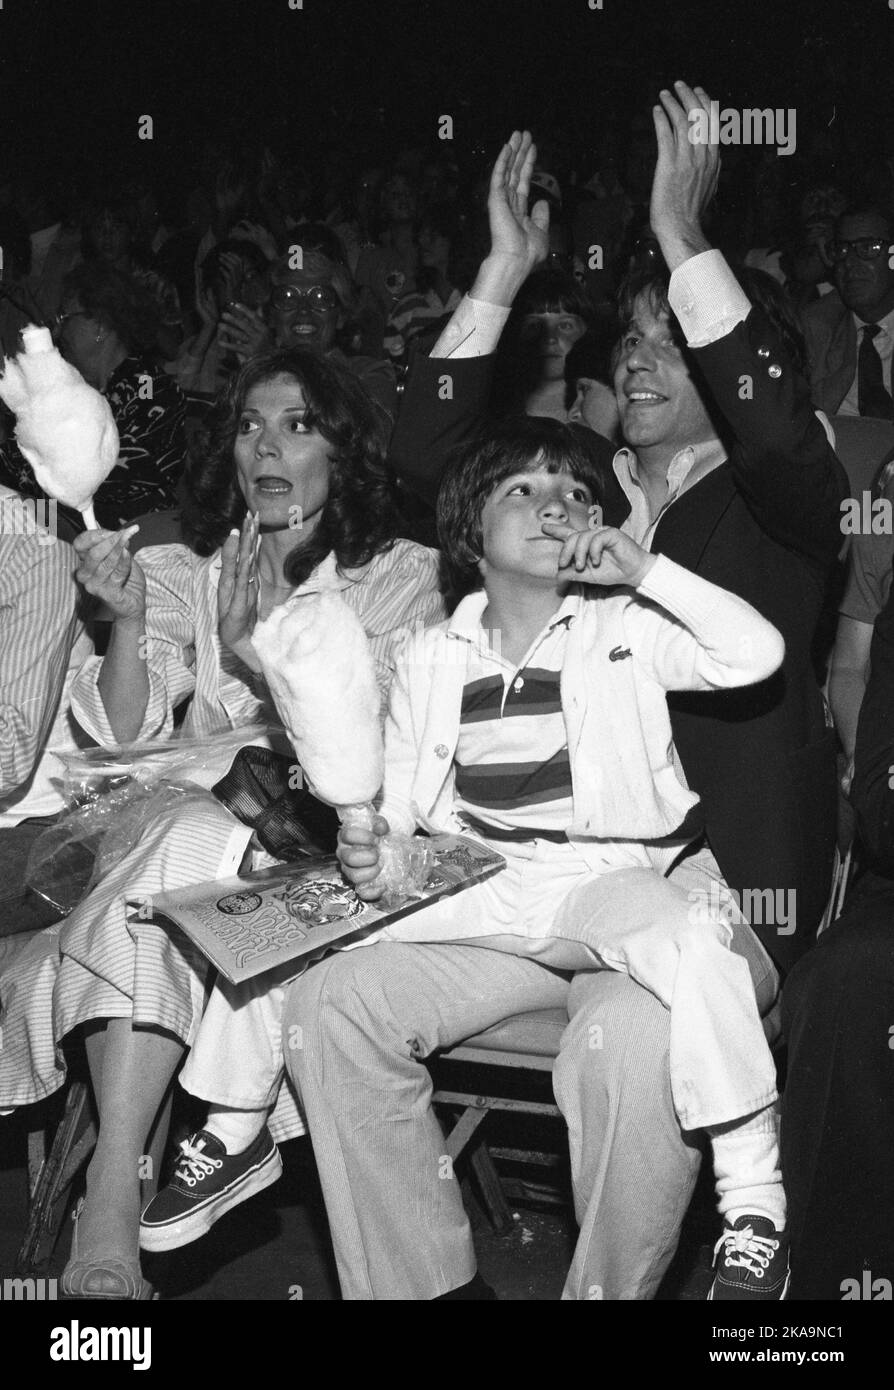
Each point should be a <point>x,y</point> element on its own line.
<point>473,331</point>
<point>707,298</point>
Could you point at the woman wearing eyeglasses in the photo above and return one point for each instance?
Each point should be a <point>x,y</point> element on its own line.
<point>314,304</point>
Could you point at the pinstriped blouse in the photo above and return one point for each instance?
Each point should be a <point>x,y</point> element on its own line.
<point>394,593</point>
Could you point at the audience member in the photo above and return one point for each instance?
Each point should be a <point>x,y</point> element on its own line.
<point>197,605</point>
<point>838,1103</point>
<point>850,334</point>
<point>105,330</point>
<point>762,518</point>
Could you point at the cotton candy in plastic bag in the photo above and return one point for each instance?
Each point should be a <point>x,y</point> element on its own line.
<point>112,798</point>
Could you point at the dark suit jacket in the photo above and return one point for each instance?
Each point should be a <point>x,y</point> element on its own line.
<point>444,404</point>
<point>830,335</point>
<point>764,525</point>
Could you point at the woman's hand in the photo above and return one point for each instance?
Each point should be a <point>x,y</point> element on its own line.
<point>602,556</point>
<point>107,570</point>
<point>359,854</point>
<point>237,591</point>
<point>243,331</point>
<point>685,176</point>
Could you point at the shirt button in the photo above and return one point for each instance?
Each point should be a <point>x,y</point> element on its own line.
<point>774,371</point>
<point>518,685</point>
<point>441,750</point>
<point>763,352</point>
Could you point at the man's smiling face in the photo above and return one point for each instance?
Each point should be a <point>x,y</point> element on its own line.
<point>657,398</point>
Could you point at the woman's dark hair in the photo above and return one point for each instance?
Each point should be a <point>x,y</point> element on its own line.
<point>116,300</point>
<point>515,446</point>
<point>361,517</point>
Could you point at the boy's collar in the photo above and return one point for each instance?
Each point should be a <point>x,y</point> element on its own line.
<point>466,620</point>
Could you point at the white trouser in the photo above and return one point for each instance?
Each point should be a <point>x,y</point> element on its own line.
<point>667,934</point>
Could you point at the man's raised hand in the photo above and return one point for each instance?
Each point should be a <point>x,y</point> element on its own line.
<point>514,232</point>
<point>519,240</point>
<point>685,175</point>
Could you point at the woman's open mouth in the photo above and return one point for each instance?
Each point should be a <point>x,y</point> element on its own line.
<point>272,486</point>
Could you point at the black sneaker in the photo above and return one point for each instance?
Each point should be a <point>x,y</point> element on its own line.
<point>206,1183</point>
<point>754,1262</point>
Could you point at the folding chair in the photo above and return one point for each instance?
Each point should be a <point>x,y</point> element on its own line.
<point>529,1044</point>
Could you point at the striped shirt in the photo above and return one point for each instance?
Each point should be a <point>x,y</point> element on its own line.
<point>392,595</point>
<point>513,774</point>
<point>42,644</point>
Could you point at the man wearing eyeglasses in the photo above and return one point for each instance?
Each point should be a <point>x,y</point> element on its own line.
<point>850,335</point>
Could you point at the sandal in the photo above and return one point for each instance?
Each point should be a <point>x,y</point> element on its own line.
<point>107,1278</point>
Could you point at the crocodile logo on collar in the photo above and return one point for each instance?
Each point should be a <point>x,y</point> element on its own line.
<point>619,653</point>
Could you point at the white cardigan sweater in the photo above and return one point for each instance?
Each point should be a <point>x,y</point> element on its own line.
<point>681,633</point>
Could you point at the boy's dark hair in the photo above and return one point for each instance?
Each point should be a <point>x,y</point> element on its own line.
<point>515,446</point>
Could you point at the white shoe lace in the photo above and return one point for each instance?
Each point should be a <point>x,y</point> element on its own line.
<point>195,1164</point>
<point>755,1252</point>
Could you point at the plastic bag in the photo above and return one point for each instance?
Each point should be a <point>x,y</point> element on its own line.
<point>406,861</point>
<point>113,797</point>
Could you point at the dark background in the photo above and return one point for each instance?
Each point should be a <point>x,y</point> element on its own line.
<point>353,78</point>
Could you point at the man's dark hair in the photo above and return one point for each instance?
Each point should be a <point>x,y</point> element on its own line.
<point>652,283</point>
<point>515,446</point>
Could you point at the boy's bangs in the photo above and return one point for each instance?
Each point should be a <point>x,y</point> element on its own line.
<point>550,457</point>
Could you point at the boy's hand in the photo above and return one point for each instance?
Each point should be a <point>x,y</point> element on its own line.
<point>359,854</point>
<point>603,556</point>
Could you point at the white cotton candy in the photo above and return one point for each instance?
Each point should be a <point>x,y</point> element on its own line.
<point>64,428</point>
<point>317,662</point>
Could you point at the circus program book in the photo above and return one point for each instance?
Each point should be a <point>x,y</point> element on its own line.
<point>258,921</point>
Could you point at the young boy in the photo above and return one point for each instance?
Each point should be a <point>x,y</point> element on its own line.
<point>536,718</point>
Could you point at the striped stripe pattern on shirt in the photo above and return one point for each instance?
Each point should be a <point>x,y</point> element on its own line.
<point>512,766</point>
